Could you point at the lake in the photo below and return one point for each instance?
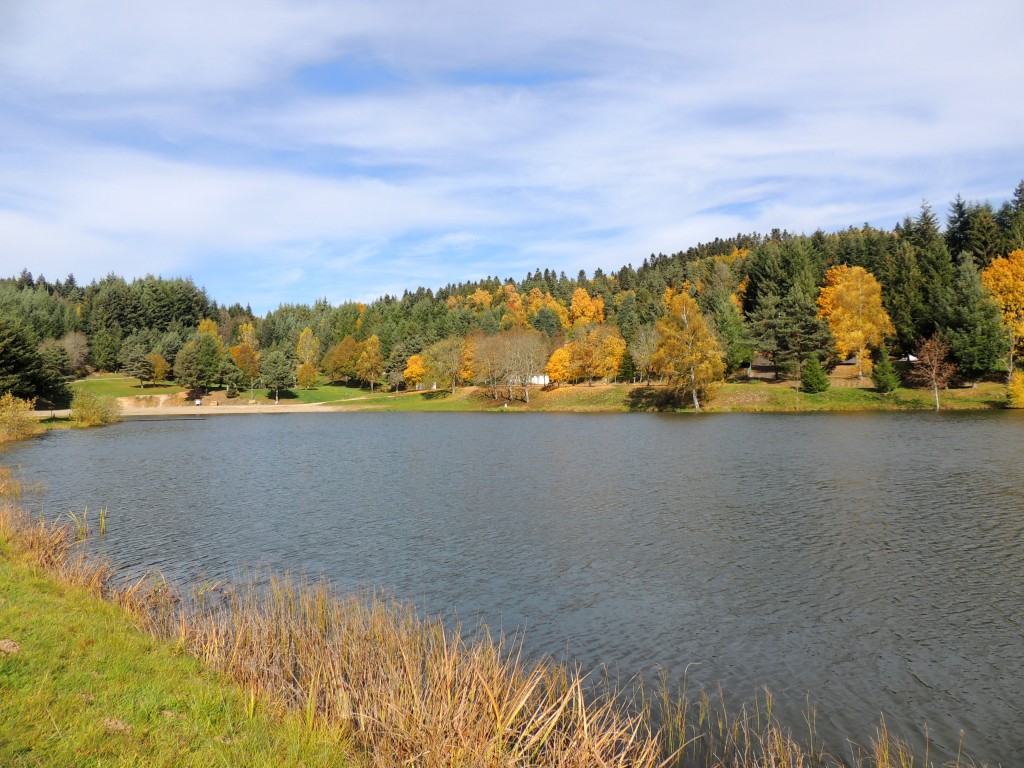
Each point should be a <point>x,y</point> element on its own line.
<point>868,563</point>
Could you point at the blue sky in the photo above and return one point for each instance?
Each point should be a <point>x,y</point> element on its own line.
<point>286,150</point>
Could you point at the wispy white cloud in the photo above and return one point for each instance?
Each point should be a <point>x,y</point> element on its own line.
<point>284,150</point>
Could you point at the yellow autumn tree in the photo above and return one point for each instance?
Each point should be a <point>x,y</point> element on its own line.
<point>609,350</point>
<point>467,365</point>
<point>247,360</point>
<point>851,303</point>
<point>247,335</point>
<point>306,376</point>
<point>206,325</point>
<point>308,348</point>
<point>341,360</point>
<point>414,371</point>
<point>688,354</point>
<point>479,300</point>
<point>1015,390</point>
<point>1004,278</point>
<point>537,300</point>
<point>514,315</point>
<point>370,365</point>
<point>585,309</point>
<point>161,369</point>
<point>559,367</point>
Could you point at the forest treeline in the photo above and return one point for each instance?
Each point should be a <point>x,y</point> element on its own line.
<point>798,301</point>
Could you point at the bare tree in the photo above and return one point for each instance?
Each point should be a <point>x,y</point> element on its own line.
<point>645,344</point>
<point>525,355</point>
<point>932,368</point>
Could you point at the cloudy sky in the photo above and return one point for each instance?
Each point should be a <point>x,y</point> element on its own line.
<point>286,150</point>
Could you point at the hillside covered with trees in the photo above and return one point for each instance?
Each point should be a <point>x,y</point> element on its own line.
<point>953,290</point>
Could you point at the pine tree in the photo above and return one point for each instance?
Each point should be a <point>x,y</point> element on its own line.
<point>813,378</point>
<point>884,373</point>
<point>974,329</point>
<point>903,292</point>
<point>985,240</point>
<point>733,335</point>
<point>277,372</point>
<point>765,328</point>
<point>801,333</point>
<point>958,227</point>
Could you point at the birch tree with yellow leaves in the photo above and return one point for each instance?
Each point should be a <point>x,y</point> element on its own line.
<point>1004,278</point>
<point>851,304</point>
<point>688,354</point>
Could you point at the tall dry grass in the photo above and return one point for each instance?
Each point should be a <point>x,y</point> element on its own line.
<point>411,691</point>
<point>50,548</point>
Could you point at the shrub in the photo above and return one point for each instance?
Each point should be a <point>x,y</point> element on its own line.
<point>813,378</point>
<point>16,420</point>
<point>1015,390</point>
<point>91,410</point>
<point>884,374</point>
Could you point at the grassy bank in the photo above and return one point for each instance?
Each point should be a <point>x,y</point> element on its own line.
<point>295,674</point>
<point>80,685</point>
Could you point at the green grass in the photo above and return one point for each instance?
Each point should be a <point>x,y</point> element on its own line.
<point>324,393</point>
<point>86,688</point>
<point>118,385</point>
<point>770,397</point>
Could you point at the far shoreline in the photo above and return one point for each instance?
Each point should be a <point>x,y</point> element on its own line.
<point>734,397</point>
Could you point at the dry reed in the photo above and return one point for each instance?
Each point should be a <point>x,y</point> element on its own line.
<point>408,691</point>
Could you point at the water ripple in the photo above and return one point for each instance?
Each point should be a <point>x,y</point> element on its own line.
<point>873,562</point>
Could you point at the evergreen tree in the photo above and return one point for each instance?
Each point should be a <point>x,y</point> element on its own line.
<point>198,363</point>
<point>902,292</point>
<point>813,378</point>
<point>801,333</point>
<point>105,348</point>
<point>22,373</point>
<point>766,328</point>
<point>984,239</point>
<point>277,372</point>
<point>974,329</point>
<point>733,335</point>
<point>133,360</point>
<point>958,227</point>
<point>884,374</point>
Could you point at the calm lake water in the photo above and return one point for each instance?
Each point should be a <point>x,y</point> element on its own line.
<point>871,562</point>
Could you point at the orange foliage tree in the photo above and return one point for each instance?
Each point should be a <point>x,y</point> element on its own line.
<point>415,370</point>
<point>559,367</point>
<point>341,360</point>
<point>585,309</point>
